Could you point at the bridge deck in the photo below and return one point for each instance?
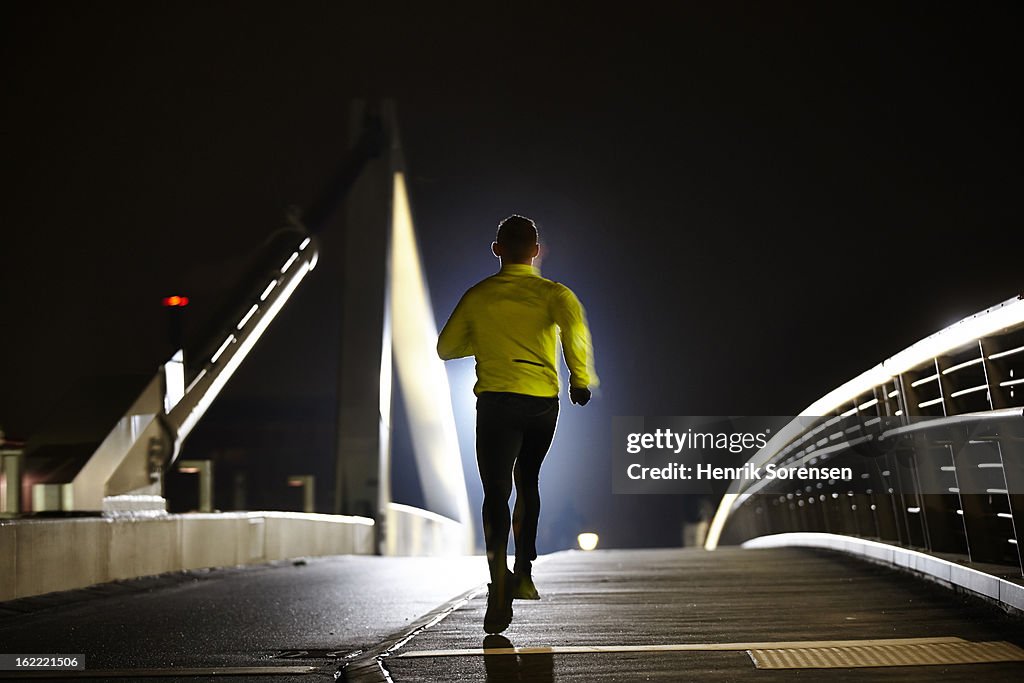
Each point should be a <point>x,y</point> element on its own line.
<point>314,614</point>
<point>668,597</point>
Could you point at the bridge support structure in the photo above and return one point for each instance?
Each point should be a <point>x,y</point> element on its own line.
<point>389,336</point>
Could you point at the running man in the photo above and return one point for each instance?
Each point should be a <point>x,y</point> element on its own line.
<point>510,323</point>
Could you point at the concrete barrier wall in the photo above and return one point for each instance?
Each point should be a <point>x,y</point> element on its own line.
<point>412,531</point>
<point>40,556</point>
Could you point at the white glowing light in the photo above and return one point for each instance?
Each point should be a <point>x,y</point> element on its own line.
<point>913,511</point>
<point>980,387</point>
<point>289,262</point>
<point>970,329</point>
<point>247,316</point>
<point>174,379</point>
<point>202,373</point>
<point>1011,382</point>
<point>419,372</point>
<point>925,380</point>
<point>268,290</point>
<point>848,391</point>
<point>223,347</point>
<point>718,521</point>
<point>962,365</point>
<point>867,404</point>
<point>304,243</point>
<point>925,404</point>
<point>1006,353</point>
<point>587,540</point>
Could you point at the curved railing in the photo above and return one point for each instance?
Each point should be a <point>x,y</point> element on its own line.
<point>934,437</point>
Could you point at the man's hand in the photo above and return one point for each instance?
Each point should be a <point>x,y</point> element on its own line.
<point>579,395</point>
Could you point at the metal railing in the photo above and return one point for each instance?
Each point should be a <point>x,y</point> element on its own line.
<point>934,437</point>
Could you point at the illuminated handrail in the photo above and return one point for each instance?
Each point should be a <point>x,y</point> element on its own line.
<point>879,404</point>
<point>222,363</point>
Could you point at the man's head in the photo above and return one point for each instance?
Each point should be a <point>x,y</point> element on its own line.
<point>517,240</point>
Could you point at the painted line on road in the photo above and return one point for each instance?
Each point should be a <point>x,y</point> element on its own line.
<point>167,673</point>
<point>679,647</point>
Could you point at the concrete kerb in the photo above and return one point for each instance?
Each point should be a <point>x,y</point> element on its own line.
<point>1008,595</point>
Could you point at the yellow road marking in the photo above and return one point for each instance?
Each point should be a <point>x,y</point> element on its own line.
<point>918,654</point>
<point>679,647</point>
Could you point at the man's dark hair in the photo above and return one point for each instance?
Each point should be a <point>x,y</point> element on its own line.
<point>517,235</point>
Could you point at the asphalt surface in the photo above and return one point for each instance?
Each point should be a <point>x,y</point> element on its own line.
<point>262,616</point>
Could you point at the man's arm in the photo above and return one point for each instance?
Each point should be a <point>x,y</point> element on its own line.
<point>454,340</point>
<point>577,347</point>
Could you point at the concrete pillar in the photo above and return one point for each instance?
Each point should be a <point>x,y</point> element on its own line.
<point>362,484</point>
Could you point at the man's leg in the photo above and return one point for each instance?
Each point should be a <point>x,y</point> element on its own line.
<point>537,435</point>
<point>498,442</point>
<point>498,439</point>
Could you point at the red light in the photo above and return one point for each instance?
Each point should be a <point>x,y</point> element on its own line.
<point>176,301</point>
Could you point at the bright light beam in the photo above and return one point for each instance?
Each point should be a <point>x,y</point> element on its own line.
<point>421,374</point>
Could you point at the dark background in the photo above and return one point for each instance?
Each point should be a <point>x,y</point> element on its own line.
<point>755,201</point>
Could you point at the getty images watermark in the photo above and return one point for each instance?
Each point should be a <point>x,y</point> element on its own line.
<point>702,455</point>
<point>846,454</point>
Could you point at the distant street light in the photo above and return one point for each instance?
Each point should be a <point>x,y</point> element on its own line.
<point>587,540</point>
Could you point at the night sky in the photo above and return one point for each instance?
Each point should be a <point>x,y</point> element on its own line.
<point>754,201</point>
